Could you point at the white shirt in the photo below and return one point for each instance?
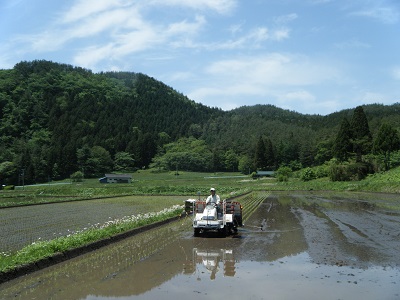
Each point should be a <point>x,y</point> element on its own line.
<point>213,199</point>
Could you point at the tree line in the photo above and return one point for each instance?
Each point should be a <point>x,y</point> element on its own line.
<point>57,119</point>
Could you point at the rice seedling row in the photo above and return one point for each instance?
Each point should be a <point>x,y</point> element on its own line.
<point>106,260</point>
<point>22,226</point>
<point>251,202</point>
<point>43,249</point>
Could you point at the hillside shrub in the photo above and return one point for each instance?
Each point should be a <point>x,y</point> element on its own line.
<point>338,172</point>
<point>283,174</point>
<point>359,171</point>
<point>321,171</point>
<point>307,174</point>
<point>377,161</point>
<point>77,177</point>
<point>395,159</point>
<point>346,171</point>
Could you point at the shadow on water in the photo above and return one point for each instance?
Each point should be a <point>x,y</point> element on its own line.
<point>287,249</point>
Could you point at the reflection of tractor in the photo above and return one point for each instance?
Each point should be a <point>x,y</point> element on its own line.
<point>224,218</point>
<point>211,260</point>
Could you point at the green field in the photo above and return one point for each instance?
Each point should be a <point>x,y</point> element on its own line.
<point>190,184</point>
<point>24,225</point>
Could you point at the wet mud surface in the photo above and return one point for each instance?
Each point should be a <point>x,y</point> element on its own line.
<point>287,250</point>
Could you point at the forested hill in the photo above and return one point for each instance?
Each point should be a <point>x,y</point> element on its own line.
<point>241,128</point>
<point>55,118</point>
<point>48,111</point>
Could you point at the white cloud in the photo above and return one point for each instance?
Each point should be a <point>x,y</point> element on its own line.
<point>396,73</point>
<point>274,69</point>
<point>262,34</point>
<point>286,80</point>
<point>354,43</point>
<point>236,28</point>
<point>137,40</point>
<point>219,6</point>
<point>5,58</point>
<point>380,11</point>
<point>123,30</point>
<point>43,42</point>
<point>87,8</point>
<point>139,37</point>
<point>118,19</point>
<point>299,95</point>
<point>369,97</point>
<point>111,22</point>
<point>286,18</point>
<point>89,57</point>
<point>280,34</point>
<point>306,101</point>
<point>186,28</point>
<point>251,40</point>
<point>179,76</point>
<point>124,26</point>
<point>119,47</point>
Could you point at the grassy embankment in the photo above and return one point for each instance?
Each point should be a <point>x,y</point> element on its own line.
<point>146,183</point>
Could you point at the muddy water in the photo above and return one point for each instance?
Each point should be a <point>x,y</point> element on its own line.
<point>285,251</point>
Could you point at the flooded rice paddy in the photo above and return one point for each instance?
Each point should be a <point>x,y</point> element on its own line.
<point>343,249</point>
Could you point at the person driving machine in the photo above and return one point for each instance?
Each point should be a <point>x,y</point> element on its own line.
<point>213,198</point>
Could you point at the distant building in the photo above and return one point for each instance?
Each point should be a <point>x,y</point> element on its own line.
<point>116,178</point>
<point>265,173</point>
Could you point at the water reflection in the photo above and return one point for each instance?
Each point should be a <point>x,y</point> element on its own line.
<point>211,261</point>
<point>130,267</point>
<point>273,232</point>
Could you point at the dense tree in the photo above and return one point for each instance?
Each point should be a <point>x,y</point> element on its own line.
<point>287,152</point>
<point>195,130</point>
<point>94,161</point>
<point>188,154</point>
<point>269,155</point>
<point>245,164</point>
<point>260,161</point>
<point>218,159</point>
<point>7,172</point>
<point>148,149</point>
<point>361,135</point>
<point>123,162</point>
<point>307,155</point>
<point>101,160</point>
<point>163,138</point>
<point>343,147</point>
<point>83,156</point>
<point>386,142</point>
<point>324,151</point>
<point>231,160</point>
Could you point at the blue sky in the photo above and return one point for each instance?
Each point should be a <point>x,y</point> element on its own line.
<point>309,56</point>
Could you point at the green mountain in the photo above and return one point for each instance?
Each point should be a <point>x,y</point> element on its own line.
<point>56,119</point>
